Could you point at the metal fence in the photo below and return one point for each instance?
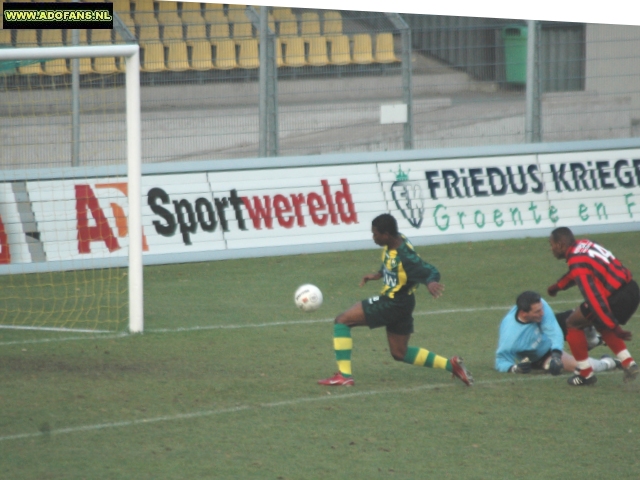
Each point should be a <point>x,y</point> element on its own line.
<point>340,84</point>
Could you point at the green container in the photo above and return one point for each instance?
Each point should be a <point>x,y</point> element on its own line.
<point>514,38</point>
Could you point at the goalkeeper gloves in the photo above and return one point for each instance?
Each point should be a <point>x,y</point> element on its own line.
<point>522,367</point>
<point>553,290</point>
<point>555,365</point>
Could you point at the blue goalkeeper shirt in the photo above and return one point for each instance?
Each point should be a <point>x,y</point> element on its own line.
<point>531,340</point>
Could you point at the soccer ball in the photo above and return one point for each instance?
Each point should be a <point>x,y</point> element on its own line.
<point>308,298</point>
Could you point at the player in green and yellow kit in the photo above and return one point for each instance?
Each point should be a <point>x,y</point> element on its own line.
<point>402,270</point>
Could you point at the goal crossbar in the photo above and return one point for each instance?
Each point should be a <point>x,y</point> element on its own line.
<point>131,53</point>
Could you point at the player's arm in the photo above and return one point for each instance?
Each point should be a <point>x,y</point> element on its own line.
<point>549,326</point>
<point>371,276</point>
<point>422,272</point>
<point>506,358</point>
<point>567,281</point>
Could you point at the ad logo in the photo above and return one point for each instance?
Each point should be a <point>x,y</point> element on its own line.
<point>407,194</point>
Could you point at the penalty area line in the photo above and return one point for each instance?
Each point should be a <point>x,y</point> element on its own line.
<point>261,406</point>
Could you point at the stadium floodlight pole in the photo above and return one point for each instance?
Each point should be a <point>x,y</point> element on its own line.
<point>131,52</point>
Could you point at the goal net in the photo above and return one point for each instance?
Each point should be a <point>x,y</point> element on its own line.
<point>70,227</point>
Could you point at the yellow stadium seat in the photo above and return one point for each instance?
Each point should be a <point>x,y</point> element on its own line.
<point>168,13</point>
<point>172,33</point>
<point>317,51</point>
<point>340,50</point>
<point>177,57</point>
<point>196,33</point>
<point>191,13</point>
<point>236,12</point>
<point>26,38</point>
<point>219,29</point>
<point>51,38</point>
<point>100,37</point>
<point>82,37</point>
<point>294,52</point>
<point>121,6</point>
<point>213,12</point>
<point>5,37</point>
<point>225,54</point>
<point>127,19</point>
<point>242,30</point>
<point>362,49</point>
<point>149,34</point>
<point>282,13</point>
<point>249,56</point>
<point>279,56</point>
<point>153,58</point>
<point>384,49</point>
<point>32,69</point>
<point>332,23</point>
<point>309,24</point>
<point>105,65</point>
<point>143,5</point>
<point>144,19</point>
<point>85,66</point>
<point>288,27</point>
<point>201,55</point>
<point>56,67</point>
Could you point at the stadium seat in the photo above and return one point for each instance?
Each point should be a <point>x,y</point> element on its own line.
<point>196,33</point>
<point>26,38</point>
<point>105,65</point>
<point>225,54</point>
<point>83,38</point>
<point>143,6</point>
<point>100,37</point>
<point>85,66</point>
<point>242,29</point>
<point>288,27</point>
<point>153,58</point>
<point>219,28</point>
<point>121,6</point>
<point>317,51</point>
<point>362,49</point>
<point>144,19</point>
<point>249,56</point>
<point>192,13</point>
<point>127,19</point>
<point>56,67</point>
<point>51,38</point>
<point>236,12</point>
<point>309,24</point>
<point>31,69</point>
<point>177,57</point>
<point>332,23</point>
<point>385,49</point>
<point>213,12</point>
<point>294,52</point>
<point>340,50</point>
<point>5,37</point>
<point>149,34</point>
<point>282,13</point>
<point>201,55</point>
<point>168,13</point>
<point>172,33</point>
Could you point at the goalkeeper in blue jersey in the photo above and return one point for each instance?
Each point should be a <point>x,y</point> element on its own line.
<point>402,270</point>
<point>531,338</point>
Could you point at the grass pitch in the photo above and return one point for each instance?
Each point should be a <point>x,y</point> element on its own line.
<point>222,382</point>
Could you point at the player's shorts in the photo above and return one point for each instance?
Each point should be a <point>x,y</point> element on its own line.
<point>395,315</point>
<point>623,303</point>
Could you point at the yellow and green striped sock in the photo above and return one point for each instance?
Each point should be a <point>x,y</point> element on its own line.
<point>424,358</point>
<point>342,343</point>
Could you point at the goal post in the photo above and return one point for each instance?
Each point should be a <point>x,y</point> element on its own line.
<point>130,52</point>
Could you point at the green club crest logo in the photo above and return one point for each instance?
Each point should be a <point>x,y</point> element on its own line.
<point>407,194</point>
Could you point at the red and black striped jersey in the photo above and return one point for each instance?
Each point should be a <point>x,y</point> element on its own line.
<point>598,274</point>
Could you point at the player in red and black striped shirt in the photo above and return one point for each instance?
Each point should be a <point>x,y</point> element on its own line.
<point>611,298</point>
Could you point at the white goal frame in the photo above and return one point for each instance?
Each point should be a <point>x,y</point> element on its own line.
<point>131,53</point>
